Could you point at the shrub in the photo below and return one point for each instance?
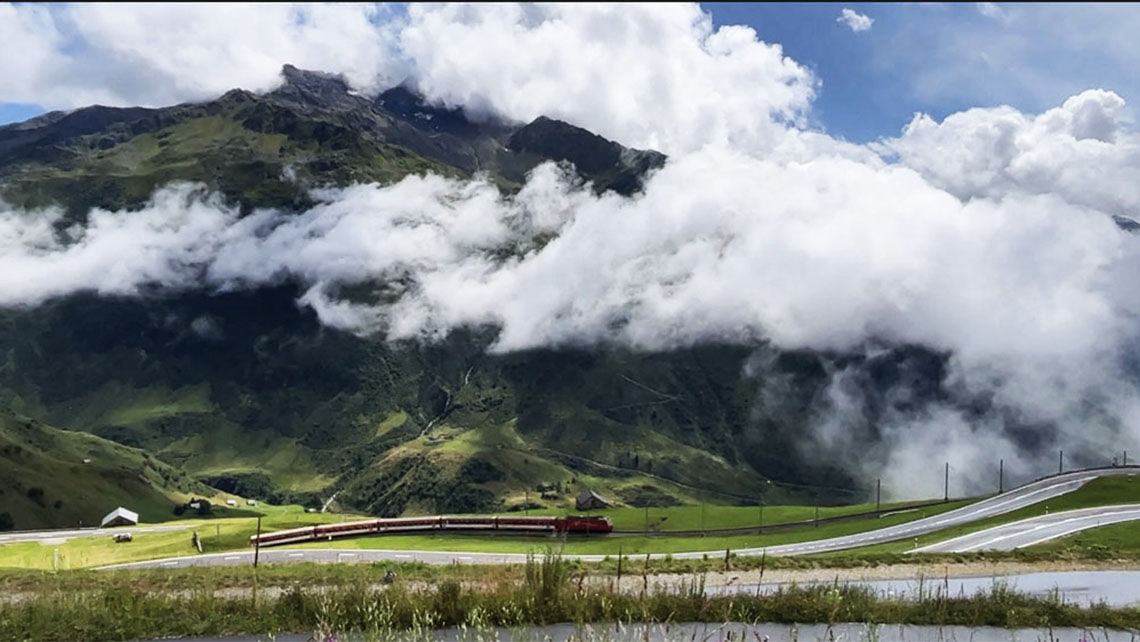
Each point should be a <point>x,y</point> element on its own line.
<point>36,494</point>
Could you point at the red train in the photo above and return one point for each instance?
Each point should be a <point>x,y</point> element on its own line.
<point>586,525</point>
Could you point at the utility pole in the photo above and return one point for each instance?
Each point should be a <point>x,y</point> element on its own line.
<point>257,544</point>
<point>878,496</point>
<point>1060,461</point>
<point>946,484</point>
<point>1001,476</point>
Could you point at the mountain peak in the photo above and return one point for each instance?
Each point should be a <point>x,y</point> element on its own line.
<point>314,88</point>
<point>321,82</point>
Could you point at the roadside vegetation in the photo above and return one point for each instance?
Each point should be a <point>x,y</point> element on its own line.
<point>550,591</point>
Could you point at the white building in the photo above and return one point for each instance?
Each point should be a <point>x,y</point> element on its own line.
<point>231,502</point>
<point>120,517</point>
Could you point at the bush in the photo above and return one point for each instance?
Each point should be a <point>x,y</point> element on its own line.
<point>36,494</point>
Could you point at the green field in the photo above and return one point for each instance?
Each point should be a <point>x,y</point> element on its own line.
<point>218,535</point>
<point>224,534</point>
<point>1116,540</point>
<point>632,545</point>
<point>713,517</point>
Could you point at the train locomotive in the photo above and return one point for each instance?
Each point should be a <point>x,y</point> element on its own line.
<point>570,524</point>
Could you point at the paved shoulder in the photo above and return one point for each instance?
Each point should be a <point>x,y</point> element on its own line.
<point>1036,530</point>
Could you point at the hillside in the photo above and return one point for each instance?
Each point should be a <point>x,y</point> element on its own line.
<point>267,150</point>
<point>57,478</point>
<point>247,391</point>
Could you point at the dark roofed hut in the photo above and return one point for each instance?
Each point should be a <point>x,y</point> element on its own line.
<point>589,500</point>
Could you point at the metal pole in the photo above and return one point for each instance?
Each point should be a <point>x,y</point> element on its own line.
<point>1001,476</point>
<point>257,544</point>
<point>1060,462</point>
<point>878,496</point>
<point>946,484</point>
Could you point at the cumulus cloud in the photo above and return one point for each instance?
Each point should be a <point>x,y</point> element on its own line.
<point>1082,151</point>
<point>656,76</point>
<point>163,53</point>
<point>854,20</point>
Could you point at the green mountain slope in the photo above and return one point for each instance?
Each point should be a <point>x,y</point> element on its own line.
<point>273,405</point>
<point>267,150</point>
<point>57,478</point>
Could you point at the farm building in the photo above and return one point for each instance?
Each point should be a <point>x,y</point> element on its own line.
<point>589,500</point>
<point>120,517</point>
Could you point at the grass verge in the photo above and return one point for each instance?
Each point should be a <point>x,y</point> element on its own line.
<point>547,594</point>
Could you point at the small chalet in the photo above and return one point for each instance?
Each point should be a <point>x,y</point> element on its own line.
<point>120,517</point>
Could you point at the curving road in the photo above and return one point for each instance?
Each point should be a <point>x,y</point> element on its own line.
<point>1018,498</point>
<point>1036,530</point>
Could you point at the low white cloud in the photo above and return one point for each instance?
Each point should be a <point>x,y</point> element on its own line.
<point>1082,151</point>
<point>812,247</point>
<point>165,244</point>
<point>992,10</point>
<point>854,20</point>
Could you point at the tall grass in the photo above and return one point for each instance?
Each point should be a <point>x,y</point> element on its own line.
<point>548,595</point>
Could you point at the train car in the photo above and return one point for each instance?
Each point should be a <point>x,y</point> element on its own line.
<point>586,524</point>
<point>468,523</point>
<point>409,524</point>
<point>527,524</point>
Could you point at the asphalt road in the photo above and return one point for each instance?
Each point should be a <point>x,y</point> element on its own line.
<point>64,535</point>
<point>999,504</point>
<point>1036,530</point>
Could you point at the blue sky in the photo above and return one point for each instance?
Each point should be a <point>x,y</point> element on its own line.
<point>930,57</point>
<point>941,58</point>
